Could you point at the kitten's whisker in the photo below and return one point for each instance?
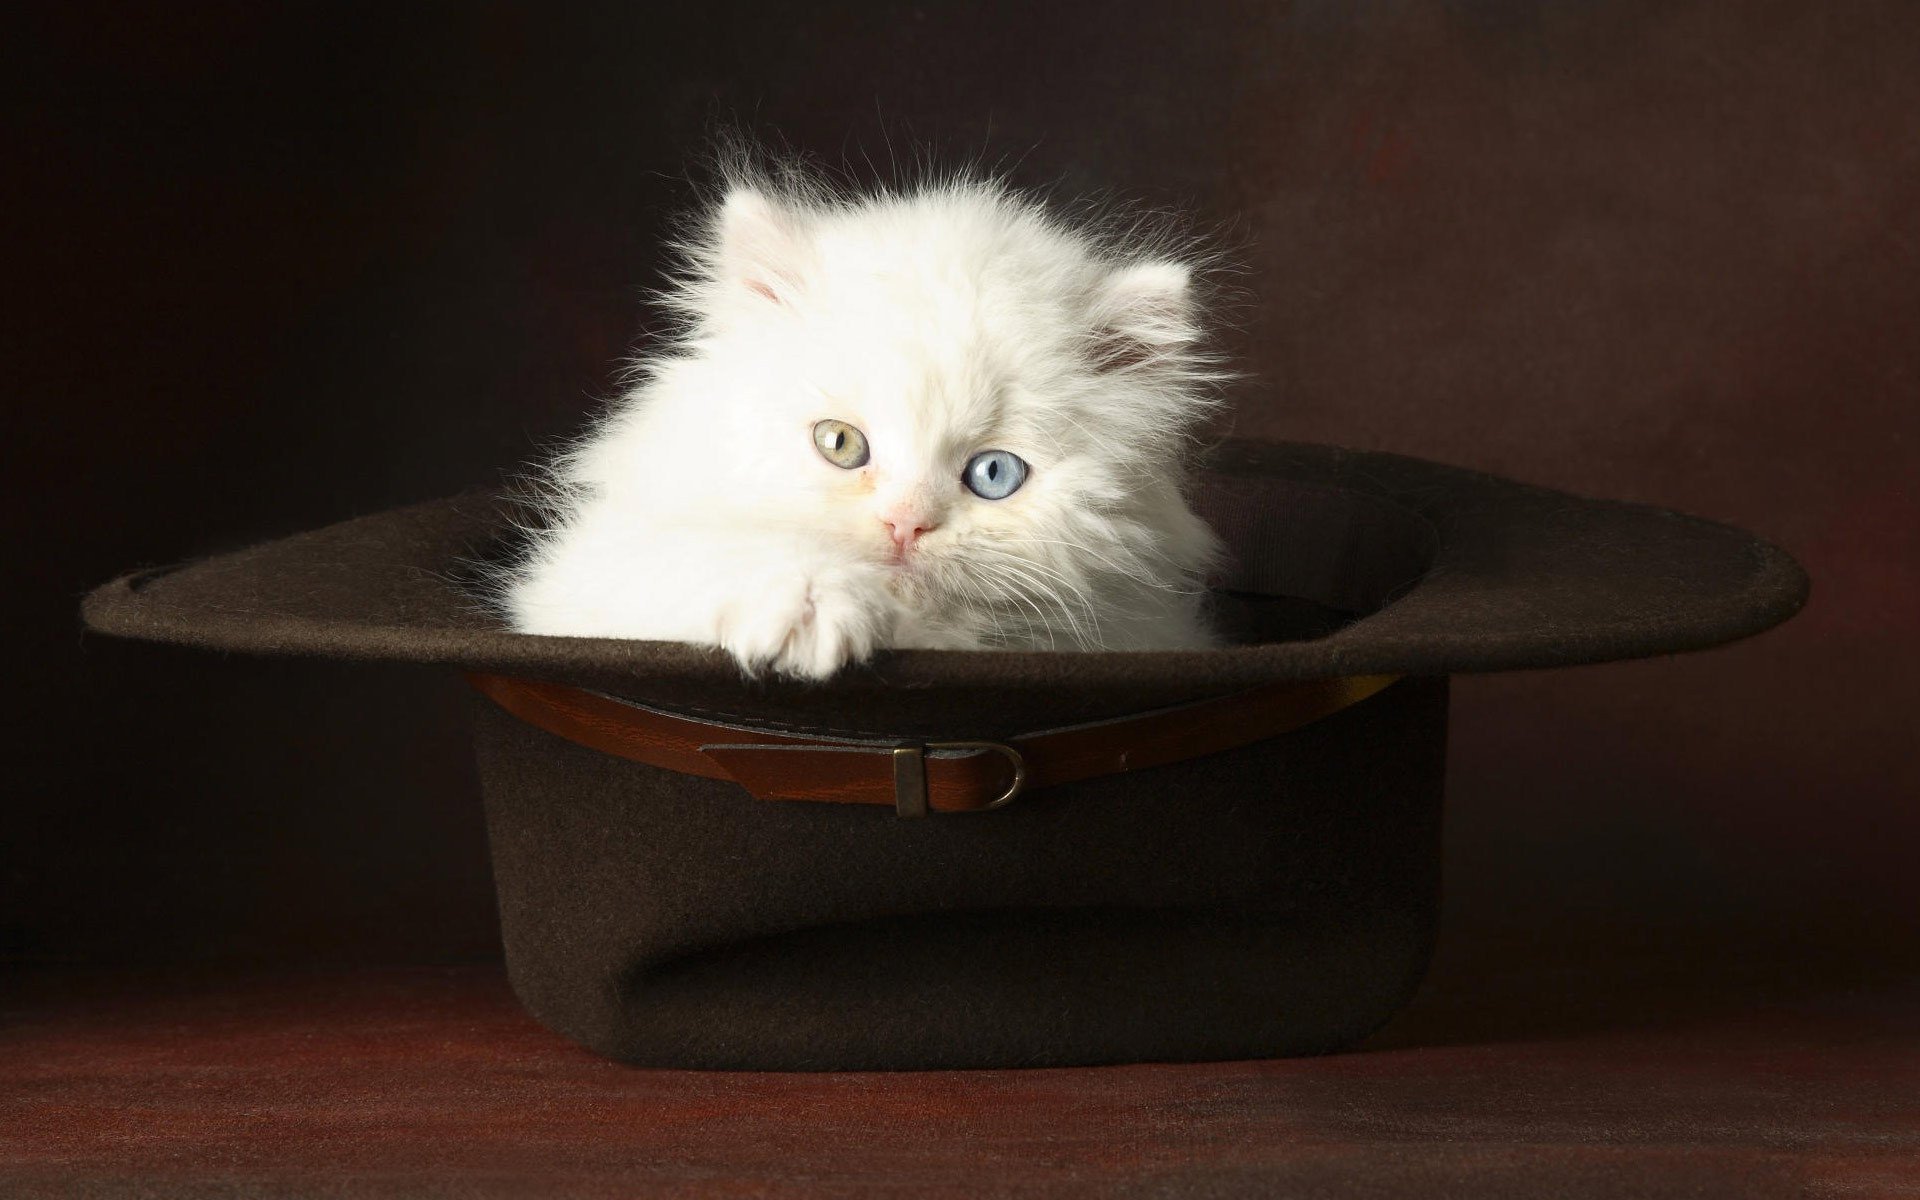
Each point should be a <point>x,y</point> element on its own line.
<point>1018,566</point>
<point>1137,575</point>
<point>972,589</point>
<point>1045,571</point>
<point>1111,605</point>
<point>1006,589</point>
<point>1009,589</point>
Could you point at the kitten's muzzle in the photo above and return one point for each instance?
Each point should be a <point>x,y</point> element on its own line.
<point>906,527</point>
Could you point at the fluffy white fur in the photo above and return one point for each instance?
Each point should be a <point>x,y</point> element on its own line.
<point>955,318</point>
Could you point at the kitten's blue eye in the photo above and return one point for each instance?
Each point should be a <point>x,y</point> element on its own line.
<point>995,474</point>
<point>840,444</point>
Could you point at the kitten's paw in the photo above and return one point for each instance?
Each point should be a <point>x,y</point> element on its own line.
<point>805,627</point>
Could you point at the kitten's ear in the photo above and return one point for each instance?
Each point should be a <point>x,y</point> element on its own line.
<point>1143,315</point>
<point>759,244</point>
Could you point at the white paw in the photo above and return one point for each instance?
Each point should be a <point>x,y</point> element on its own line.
<point>803,626</point>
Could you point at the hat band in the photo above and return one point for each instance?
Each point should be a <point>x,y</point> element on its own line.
<point>911,776</point>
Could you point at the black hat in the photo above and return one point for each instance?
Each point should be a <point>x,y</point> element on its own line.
<point>1190,854</point>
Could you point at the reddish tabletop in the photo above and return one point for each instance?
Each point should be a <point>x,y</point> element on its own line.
<point>1570,1078</point>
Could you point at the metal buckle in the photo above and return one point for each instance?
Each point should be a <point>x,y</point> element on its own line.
<point>910,775</point>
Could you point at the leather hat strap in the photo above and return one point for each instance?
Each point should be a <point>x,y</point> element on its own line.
<point>911,776</point>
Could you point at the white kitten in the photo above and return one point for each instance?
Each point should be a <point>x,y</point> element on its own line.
<point>936,419</point>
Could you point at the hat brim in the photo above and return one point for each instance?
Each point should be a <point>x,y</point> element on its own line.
<point>1454,571</point>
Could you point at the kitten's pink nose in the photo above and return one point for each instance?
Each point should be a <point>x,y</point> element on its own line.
<point>906,526</point>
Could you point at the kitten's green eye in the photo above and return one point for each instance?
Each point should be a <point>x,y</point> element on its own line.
<point>840,444</point>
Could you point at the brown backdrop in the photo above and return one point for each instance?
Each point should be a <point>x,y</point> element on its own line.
<point>278,268</point>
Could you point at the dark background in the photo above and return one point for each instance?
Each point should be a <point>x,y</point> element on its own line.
<point>273,266</point>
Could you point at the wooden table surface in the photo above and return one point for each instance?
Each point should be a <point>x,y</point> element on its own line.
<point>1655,1075</point>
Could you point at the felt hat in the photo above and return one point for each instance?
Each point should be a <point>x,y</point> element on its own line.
<point>1169,855</point>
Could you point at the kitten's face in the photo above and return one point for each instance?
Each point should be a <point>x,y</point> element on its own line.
<point>937,464</point>
<point>938,390</point>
